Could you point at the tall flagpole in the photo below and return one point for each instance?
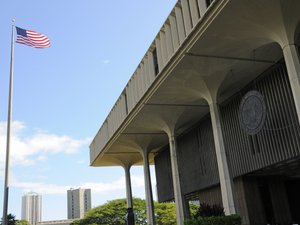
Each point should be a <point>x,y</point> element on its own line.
<point>6,181</point>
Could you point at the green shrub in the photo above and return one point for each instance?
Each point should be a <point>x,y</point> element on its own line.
<point>215,220</point>
<point>206,210</point>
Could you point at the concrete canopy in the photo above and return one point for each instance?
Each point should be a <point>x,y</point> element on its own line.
<point>232,43</point>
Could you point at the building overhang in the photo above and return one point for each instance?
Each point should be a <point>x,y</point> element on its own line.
<point>233,43</point>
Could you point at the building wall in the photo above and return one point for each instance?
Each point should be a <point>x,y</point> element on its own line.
<point>79,201</point>
<point>197,162</point>
<point>164,176</point>
<point>278,141</point>
<point>197,158</point>
<point>32,208</point>
<point>211,195</point>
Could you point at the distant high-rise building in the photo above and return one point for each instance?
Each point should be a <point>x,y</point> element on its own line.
<point>32,208</point>
<point>79,201</point>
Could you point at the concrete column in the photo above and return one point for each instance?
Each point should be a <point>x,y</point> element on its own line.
<point>128,187</point>
<point>181,212</point>
<point>148,190</point>
<point>291,57</point>
<point>225,178</point>
<point>202,7</point>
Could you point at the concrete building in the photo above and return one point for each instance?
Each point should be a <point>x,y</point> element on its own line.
<point>56,222</point>
<point>79,201</point>
<point>215,104</point>
<point>32,208</point>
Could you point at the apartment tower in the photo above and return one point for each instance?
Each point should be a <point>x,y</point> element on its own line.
<point>79,201</point>
<point>32,208</point>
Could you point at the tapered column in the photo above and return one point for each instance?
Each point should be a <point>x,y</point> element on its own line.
<point>181,212</point>
<point>291,57</point>
<point>225,178</point>
<point>148,190</point>
<point>128,186</point>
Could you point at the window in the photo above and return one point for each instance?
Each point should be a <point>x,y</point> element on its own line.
<point>155,62</point>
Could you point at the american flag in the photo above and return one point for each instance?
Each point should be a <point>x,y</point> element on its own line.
<point>32,38</point>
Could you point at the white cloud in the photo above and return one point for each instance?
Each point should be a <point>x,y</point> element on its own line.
<point>41,158</point>
<point>41,188</point>
<point>25,150</point>
<point>96,187</point>
<point>119,184</point>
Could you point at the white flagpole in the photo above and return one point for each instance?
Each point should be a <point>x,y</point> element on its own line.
<point>6,181</point>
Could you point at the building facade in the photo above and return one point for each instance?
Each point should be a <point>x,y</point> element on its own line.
<point>32,208</point>
<point>56,222</point>
<point>215,106</point>
<point>79,201</point>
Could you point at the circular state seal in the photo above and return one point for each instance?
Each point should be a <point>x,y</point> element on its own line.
<point>252,112</point>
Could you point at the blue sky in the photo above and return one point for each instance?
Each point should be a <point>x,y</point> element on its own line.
<point>63,94</point>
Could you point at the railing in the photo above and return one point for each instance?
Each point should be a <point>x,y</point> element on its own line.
<point>182,19</point>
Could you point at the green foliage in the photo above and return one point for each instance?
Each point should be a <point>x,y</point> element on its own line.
<point>206,210</point>
<point>215,220</point>
<point>193,209</point>
<point>22,222</point>
<point>113,213</point>
<point>139,209</point>
<point>10,219</point>
<point>165,213</point>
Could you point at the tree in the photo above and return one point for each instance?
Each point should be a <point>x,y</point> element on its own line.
<point>113,213</point>
<point>22,222</point>
<point>193,209</point>
<point>165,213</point>
<point>10,219</point>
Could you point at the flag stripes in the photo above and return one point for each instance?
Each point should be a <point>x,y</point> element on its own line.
<point>32,38</point>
